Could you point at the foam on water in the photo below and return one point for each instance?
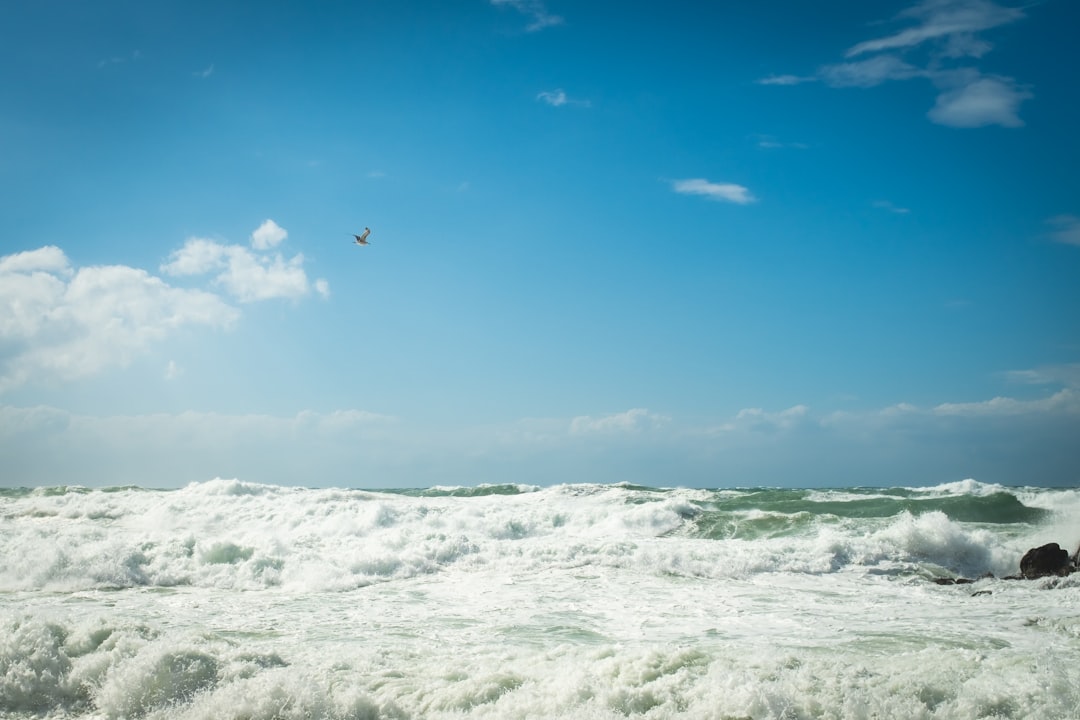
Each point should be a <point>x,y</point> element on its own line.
<point>228,599</point>
<point>233,535</point>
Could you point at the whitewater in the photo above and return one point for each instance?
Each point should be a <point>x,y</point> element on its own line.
<point>231,599</point>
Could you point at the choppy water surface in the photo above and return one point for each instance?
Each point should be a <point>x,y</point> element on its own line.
<point>236,600</point>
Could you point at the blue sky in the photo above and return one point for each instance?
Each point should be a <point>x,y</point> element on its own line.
<point>752,243</point>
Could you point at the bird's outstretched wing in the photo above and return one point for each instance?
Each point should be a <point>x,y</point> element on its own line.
<point>362,239</point>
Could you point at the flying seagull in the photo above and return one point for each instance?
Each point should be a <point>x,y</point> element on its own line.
<point>362,239</point>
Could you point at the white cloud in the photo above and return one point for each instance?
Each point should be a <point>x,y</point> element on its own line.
<point>1067,375</point>
<point>954,21</point>
<point>1005,440</point>
<point>759,419</point>
<point>339,421</point>
<point>47,259</point>
<point>43,444</point>
<point>248,276</point>
<point>633,420</point>
<point>173,371</point>
<point>198,256</point>
<point>1065,400</point>
<point>268,235</point>
<point>65,324</point>
<point>558,98</point>
<point>1067,229</point>
<point>886,205</point>
<point>535,10</point>
<point>728,192</point>
<point>62,323</point>
<point>947,30</point>
<point>868,73</point>
<point>785,79</point>
<point>116,59</point>
<point>982,101</point>
<point>768,142</point>
<point>965,45</point>
<point>555,97</point>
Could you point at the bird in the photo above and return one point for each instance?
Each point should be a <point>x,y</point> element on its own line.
<point>362,239</point>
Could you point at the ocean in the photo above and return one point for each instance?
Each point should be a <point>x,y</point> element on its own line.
<point>230,599</point>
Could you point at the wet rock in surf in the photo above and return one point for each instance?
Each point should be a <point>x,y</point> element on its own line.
<point>1049,559</point>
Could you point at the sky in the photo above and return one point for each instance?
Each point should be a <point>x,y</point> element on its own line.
<point>740,243</point>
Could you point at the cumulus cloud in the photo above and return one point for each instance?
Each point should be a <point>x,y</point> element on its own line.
<point>63,323</point>
<point>980,101</point>
<point>59,322</point>
<point>198,256</point>
<point>728,192</point>
<point>247,276</point>
<point>50,259</point>
<point>535,10</point>
<point>268,235</point>
<point>944,34</point>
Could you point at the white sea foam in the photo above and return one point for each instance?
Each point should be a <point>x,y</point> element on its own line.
<point>230,599</point>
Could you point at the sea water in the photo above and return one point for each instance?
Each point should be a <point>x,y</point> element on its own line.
<point>229,599</point>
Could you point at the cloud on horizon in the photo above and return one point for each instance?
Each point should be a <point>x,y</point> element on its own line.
<point>1003,439</point>
<point>631,421</point>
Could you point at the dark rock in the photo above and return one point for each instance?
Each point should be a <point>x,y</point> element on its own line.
<point>977,593</point>
<point>1050,559</point>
